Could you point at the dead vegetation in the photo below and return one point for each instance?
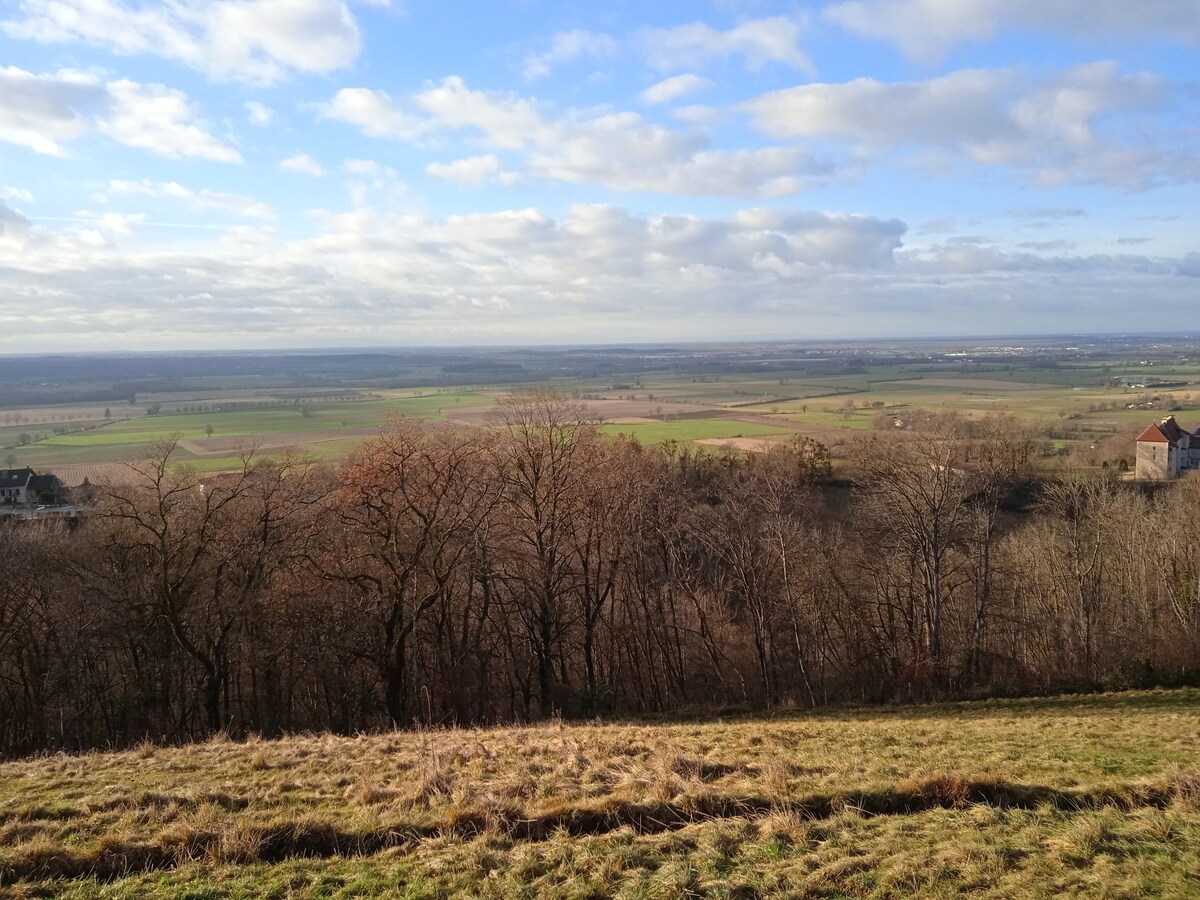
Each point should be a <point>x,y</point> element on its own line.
<point>774,792</point>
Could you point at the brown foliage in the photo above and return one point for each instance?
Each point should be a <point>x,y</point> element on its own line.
<point>539,569</point>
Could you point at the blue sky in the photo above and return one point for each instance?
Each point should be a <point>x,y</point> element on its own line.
<point>295,173</point>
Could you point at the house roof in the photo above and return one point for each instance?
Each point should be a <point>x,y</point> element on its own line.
<point>1165,432</point>
<point>10,478</point>
<point>1152,435</point>
<point>40,483</point>
<point>1171,429</point>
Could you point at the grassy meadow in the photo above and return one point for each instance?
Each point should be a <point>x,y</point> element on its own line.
<point>1086,796</point>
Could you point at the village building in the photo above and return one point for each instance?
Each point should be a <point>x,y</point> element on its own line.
<point>22,486</point>
<point>1166,451</point>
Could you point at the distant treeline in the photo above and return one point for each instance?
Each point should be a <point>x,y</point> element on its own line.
<point>542,569</point>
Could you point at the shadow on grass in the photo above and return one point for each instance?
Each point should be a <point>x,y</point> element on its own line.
<point>244,844</point>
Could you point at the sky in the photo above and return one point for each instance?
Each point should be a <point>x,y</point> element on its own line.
<point>209,174</point>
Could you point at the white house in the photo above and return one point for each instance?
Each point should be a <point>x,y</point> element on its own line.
<point>18,486</point>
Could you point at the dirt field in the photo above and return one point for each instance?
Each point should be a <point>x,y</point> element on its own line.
<point>829,436</point>
<point>95,473</point>
<point>975,384</point>
<point>72,415</point>
<point>749,444</point>
<point>614,411</point>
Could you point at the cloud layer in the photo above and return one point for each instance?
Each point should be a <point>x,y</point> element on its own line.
<point>992,117</point>
<point>618,150</point>
<point>524,275</point>
<point>927,29</point>
<point>47,113</point>
<point>255,40</point>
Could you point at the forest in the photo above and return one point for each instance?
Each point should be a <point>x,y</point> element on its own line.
<point>539,568</point>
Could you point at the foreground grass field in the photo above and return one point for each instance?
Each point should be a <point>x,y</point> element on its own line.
<point>1093,796</point>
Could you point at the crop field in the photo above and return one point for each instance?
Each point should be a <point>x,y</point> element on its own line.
<point>212,438</point>
<point>1087,796</point>
<point>687,430</point>
<point>1068,402</point>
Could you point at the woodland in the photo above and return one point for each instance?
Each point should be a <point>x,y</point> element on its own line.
<point>539,569</point>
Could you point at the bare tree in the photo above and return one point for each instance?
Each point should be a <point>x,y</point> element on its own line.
<point>401,526</point>
<point>916,499</point>
<point>200,550</point>
<point>543,464</point>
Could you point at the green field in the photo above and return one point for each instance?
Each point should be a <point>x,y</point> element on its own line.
<point>685,430</point>
<point>1070,403</point>
<point>311,426</point>
<point>1094,796</point>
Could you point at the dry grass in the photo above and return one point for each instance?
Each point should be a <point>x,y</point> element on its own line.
<point>997,798</point>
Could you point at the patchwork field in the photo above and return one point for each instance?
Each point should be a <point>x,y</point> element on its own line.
<point>1070,404</point>
<point>1087,796</point>
<point>214,436</point>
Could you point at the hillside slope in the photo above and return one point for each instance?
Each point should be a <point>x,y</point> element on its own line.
<point>1094,795</point>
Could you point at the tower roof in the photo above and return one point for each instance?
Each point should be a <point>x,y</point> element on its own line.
<point>1152,435</point>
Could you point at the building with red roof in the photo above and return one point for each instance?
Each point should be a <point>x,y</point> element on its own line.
<point>1166,451</point>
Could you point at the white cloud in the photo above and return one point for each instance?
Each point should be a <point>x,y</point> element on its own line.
<point>44,112</point>
<point>619,150</point>
<point>21,195</point>
<point>568,46</point>
<point>373,277</point>
<point>257,40</point>
<point>926,29</point>
<point>161,120</point>
<point>673,88</point>
<point>472,171</point>
<point>14,228</point>
<point>597,272</point>
<point>759,41</point>
<point>372,181</point>
<point>373,112</point>
<point>302,162</point>
<point>121,224</point>
<point>967,106</point>
<point>110,224</point>
<point>195,199</point>
<point>506,120</point>
<point>993,117</point>
<point>259,114</point>
<point>47,112</point>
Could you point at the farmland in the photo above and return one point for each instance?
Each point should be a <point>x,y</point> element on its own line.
<point>717,396</point>
<point>1088,795</point>
<point>214,435</point>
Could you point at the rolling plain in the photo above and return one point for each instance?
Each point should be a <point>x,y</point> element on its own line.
<point>1074,399</point>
